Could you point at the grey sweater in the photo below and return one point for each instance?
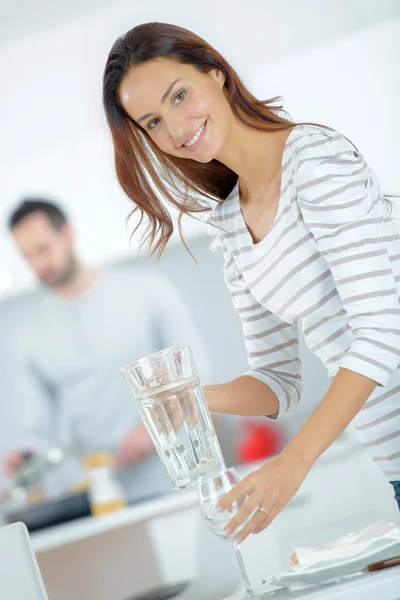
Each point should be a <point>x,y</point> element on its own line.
<point>68,354</point>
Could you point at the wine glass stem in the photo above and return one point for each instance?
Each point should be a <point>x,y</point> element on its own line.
<point>243,571</point>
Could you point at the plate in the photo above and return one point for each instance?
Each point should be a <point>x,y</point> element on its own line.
<point>328,572</point>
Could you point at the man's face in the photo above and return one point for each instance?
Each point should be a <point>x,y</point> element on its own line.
<point>48,251</point>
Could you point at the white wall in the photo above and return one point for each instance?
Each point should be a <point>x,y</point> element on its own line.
<point>351,84</point>
<point>53,133</point>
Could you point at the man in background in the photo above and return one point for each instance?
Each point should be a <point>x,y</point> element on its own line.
<point>74,338</point>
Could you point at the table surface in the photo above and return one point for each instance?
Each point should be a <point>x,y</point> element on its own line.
<point>376,585</point>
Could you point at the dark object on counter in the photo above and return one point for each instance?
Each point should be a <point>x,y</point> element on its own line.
<point>384,564</point>
<point>55,512</point>
<point>51,512</point>
<point>164,593</point>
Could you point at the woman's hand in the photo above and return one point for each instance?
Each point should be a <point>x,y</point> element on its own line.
<point>275,483</point>
<point>270,488</point>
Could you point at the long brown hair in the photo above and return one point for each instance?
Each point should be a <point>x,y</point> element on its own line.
<point>145,173</point>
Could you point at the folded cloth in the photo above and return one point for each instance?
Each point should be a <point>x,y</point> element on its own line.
<point>344,547</point>
<point>338,559</point>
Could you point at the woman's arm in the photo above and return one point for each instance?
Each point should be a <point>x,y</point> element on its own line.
<point>245,396</point>
<point>276,482</point>
<point>345,397</point>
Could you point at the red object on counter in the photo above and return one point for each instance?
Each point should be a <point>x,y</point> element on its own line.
<point>262,440</point>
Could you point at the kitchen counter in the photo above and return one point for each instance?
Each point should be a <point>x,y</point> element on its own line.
<point>89,527</point>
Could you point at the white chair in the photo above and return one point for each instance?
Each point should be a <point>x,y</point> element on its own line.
<point>20,577</point>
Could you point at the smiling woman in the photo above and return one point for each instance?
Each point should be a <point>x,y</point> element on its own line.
<point>307,238</point>
<point>169,96</point>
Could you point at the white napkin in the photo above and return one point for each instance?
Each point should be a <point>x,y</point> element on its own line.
<point>338,559</point>
<point>344,547</point>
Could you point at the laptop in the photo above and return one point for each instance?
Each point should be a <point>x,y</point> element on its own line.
<point>20,577</point>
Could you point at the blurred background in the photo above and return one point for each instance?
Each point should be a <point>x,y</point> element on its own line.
<point>335,62</point>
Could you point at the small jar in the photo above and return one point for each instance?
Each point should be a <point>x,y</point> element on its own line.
<point>105,491</point>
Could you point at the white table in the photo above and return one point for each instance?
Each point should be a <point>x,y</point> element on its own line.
<point>377,585</point>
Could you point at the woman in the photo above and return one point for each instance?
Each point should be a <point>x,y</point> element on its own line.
<point>307,237</point>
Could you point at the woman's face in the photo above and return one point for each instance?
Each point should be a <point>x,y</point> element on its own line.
<point>184,111</point>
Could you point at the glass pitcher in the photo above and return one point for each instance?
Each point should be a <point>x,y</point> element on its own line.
<point>169,396</point>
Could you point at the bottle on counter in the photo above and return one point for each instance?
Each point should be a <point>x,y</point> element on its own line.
<point>105,491</point>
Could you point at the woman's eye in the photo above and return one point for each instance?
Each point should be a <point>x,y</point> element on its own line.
<point>179,96</point>
<point>153,123</point>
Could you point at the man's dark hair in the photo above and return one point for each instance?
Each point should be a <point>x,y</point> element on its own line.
<point>29,206</point>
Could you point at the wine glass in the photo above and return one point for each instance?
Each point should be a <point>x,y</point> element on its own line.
<point>211,489</point>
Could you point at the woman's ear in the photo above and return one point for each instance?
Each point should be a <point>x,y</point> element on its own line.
<point>218,76</point>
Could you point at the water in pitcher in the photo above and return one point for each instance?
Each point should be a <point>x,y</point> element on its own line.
<point>182,431</point>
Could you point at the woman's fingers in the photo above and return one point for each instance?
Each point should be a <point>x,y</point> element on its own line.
<point>236,494</point>
<point>269,487</point>
<point>272,513</point>
<point>244,513</point>
<point>256,524</point>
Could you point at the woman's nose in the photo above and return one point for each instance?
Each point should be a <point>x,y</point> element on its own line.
<point>178,129</point>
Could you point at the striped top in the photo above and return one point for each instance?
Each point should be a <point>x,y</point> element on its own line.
<point>330,267</point>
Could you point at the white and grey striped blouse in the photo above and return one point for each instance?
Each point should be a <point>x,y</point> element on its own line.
<point>330,265</point>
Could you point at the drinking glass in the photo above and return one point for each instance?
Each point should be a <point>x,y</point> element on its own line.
<point>211,489</point>
<point>170,400</point>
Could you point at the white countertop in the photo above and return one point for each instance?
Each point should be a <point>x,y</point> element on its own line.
<point>382,585</point>
<point>75,531</point>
